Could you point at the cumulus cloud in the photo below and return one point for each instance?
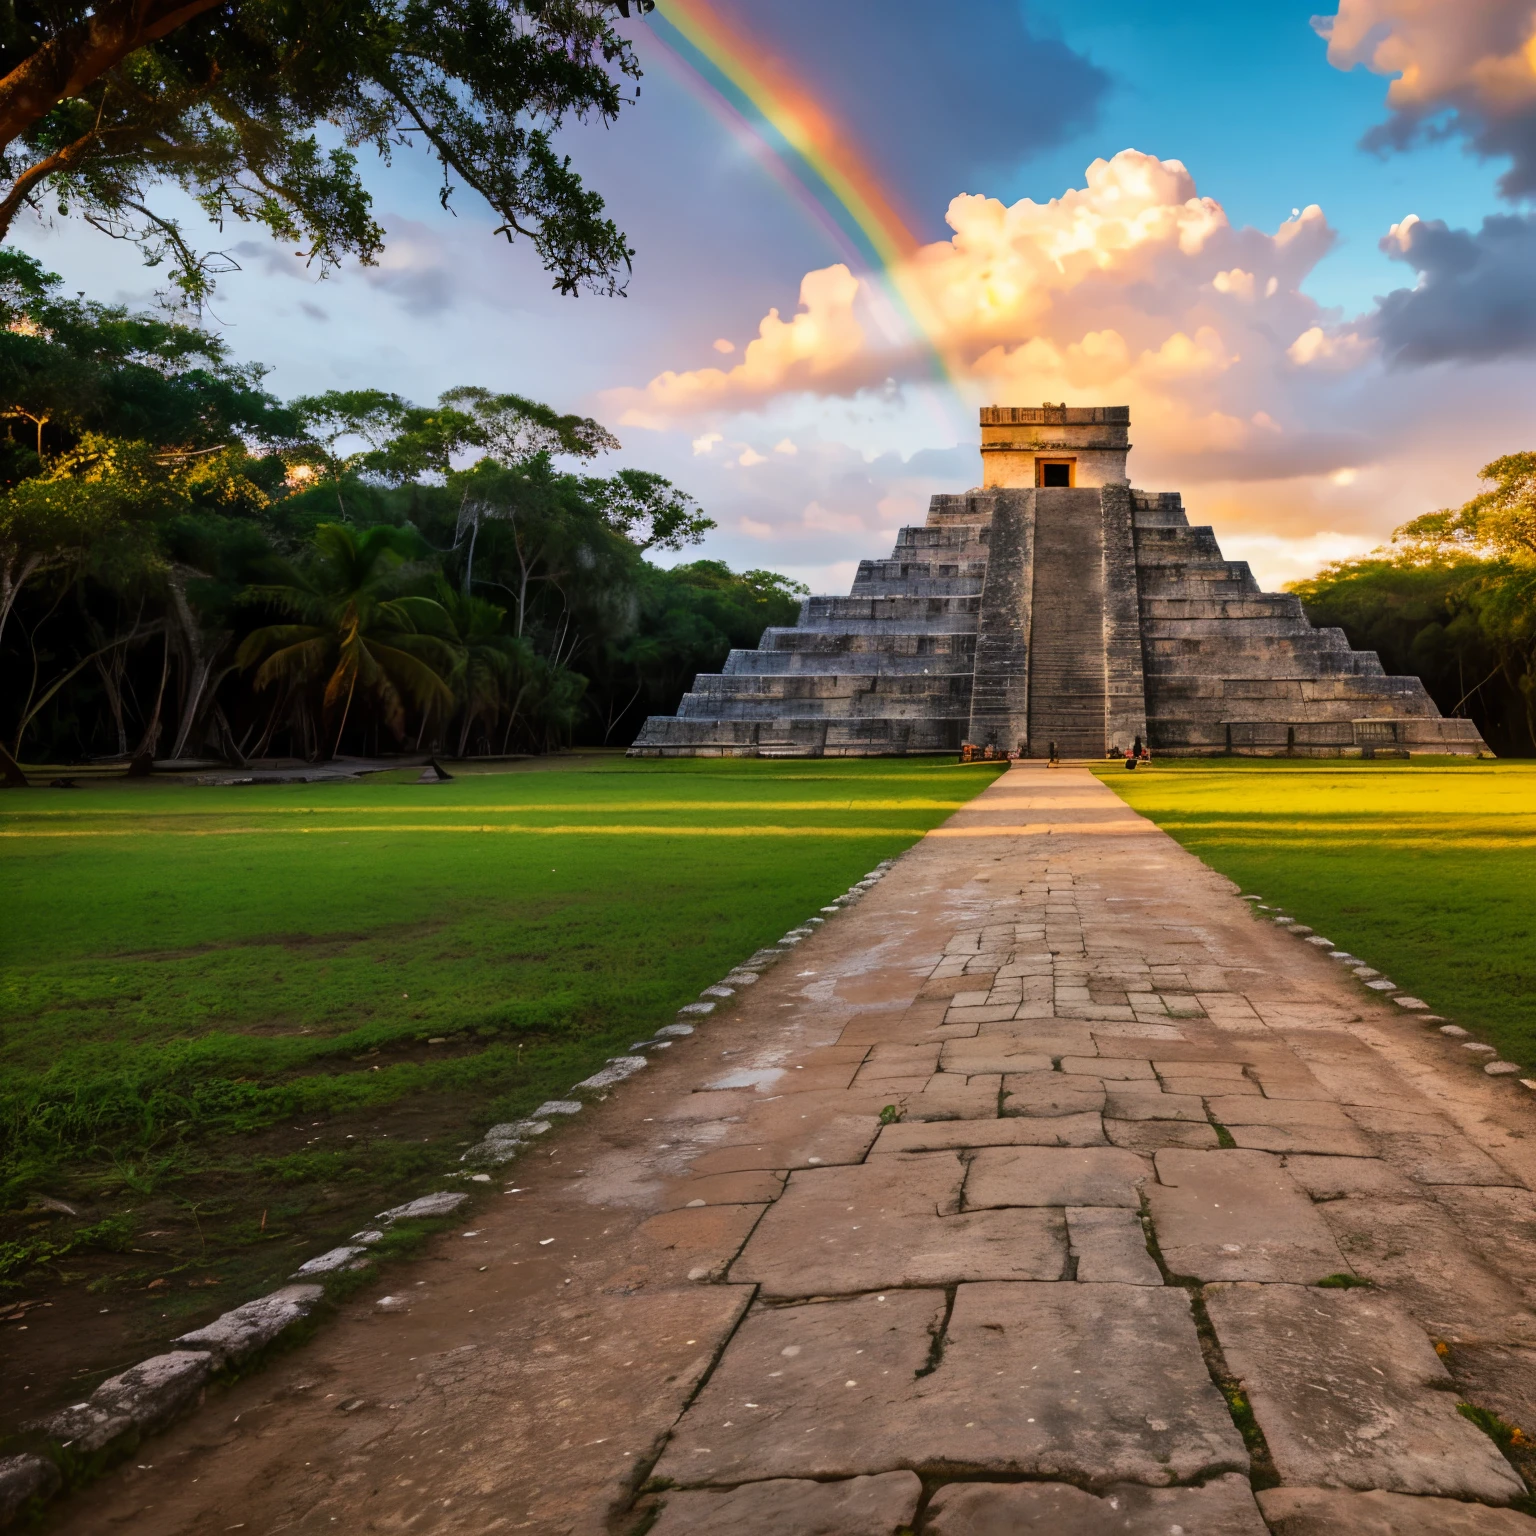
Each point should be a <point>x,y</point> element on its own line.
<point>805,351</point>
<point>1131,289</point>
<point>1466,67</point>
<point>1474,300</point>
<point>1335,350</point>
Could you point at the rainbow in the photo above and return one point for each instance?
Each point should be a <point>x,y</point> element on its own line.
<point>810,157</point>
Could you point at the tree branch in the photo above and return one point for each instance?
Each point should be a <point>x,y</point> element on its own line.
<point>60,160</point>
<point>80,55</point>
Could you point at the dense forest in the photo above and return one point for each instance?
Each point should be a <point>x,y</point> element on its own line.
<point>190,567</point>
<point>1453,601</point>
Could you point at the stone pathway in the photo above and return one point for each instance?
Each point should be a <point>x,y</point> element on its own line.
<point>1047,1190</point>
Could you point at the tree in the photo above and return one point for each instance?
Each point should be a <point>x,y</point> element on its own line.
<point>222,98</point>
<point>353,625</point>
<point>53,519</point>
<point>649,511</point>
<point>402,442</point>
<point>70,366</point>
<point>488,665</point>
<point>513,430</point>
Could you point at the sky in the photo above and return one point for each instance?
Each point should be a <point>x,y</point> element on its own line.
<point>1300,246</point>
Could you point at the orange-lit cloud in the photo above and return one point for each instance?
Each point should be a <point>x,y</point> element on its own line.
<point>1472,59</point>
<point>1132,289</point>
<point>802,352</point>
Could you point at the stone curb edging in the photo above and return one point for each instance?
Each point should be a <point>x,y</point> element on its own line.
<point>153,1394</point>
<point>1376,982</point>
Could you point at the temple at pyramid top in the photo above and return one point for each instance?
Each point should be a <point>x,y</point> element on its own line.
<point>1054,445</point>
<point>1055,607</point>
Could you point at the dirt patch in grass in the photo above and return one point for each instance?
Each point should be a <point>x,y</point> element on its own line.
<point>147,1259</point>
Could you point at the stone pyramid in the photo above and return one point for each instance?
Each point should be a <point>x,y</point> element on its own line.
<point>1055,605</point>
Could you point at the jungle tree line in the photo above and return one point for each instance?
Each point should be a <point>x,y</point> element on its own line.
<point>192,567</point>
<point>1453,601</point>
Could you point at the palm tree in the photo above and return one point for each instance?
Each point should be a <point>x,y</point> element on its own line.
<point>489,660</point>
<point>354,625</point>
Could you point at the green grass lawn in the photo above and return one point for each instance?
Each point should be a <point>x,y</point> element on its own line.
<point>1426,870</point>
<point>235,1021</point>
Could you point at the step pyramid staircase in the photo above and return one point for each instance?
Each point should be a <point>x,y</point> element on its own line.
<point>1079,616</point>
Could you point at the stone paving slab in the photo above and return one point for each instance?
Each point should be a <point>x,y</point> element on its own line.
<point>1050,1131</point>
<point>820,1390</point>
<point>1097,1383</point>
<point>1501,1224</point>
<point>1051,1093</point>
<point>1003,1176</point>
<point>1109,1068</point>
<point>1442,1160</point>
<point>1332,1512</point>
<point>1293,1114</point>
<point>1414,1251</point>
<point>1321,1139</point>
<point>1125,1102</point>
<point>784,1134</point>
<point>1109,1244</point>
<point>859,1506</point>
<point>1152,1136</point>
<point>895,1222</point>
<point>953,1096</point>
<point>1237,1215</point>
<point>747,1187</point>
<point>1349,1393</point>
<point>1343,1178</point>
<point>1223,1507</point>
<point>687,1246</point>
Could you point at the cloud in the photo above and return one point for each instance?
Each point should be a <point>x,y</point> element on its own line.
<point>417,267</point>
<point>802,352</point>
<point>1334,350</point>
<point>1465,67</point>
<point>1131,289</point>
<point>720,344</point>
<point>1474,300</point>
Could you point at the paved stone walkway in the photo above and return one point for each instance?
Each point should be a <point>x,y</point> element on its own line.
<point>1000,1207</point>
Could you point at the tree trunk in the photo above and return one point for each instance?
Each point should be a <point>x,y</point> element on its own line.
<point>15,570</point>
<point>11,775</point>
<point>227,737</point>
<point>108,668</point>
<point>151,738</point>
<point>202,655</point>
